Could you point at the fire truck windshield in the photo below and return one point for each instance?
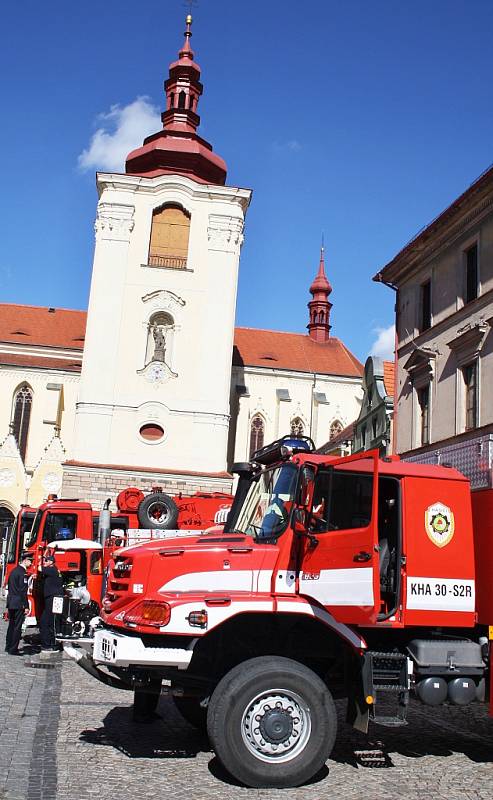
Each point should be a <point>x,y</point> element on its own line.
<point>267,506</point>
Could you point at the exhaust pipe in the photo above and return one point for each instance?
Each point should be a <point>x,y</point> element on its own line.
<point>104,522</point>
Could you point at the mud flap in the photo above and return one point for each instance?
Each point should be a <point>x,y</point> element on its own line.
<point>359,688</point>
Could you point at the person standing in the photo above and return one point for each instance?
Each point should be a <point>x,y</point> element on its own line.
<point>17,603</point>
<point>52,587</point>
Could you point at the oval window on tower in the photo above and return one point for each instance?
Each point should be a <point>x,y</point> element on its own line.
<point>151,432</point>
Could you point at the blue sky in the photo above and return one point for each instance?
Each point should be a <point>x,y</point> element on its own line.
<point>361,120</point>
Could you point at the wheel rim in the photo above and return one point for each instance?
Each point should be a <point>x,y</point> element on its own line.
<point>276,725</point>
<point>158,512</point>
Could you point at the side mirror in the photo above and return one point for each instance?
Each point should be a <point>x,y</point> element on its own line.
<point>307,484</point>
<point>300,520</point>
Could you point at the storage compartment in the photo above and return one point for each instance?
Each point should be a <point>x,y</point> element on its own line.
<point>446,656</point>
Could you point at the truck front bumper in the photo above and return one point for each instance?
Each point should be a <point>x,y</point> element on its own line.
<point>118,650</point>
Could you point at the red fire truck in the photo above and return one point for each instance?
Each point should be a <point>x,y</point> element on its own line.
<point>357,577</point>
<point>83,543</point>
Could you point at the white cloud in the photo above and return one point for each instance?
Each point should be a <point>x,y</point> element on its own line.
<point>291,146</point>
<point>384,344</point>
<point>121,130</point>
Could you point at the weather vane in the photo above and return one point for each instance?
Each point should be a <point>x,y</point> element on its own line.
<point>190,4</point>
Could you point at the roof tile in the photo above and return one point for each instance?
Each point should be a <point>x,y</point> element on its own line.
<point>293,351</point>
<point>389,377</point>
<point>37,325</point>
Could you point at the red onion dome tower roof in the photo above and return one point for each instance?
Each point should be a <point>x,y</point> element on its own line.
<point>321,282</point>
<point>177,148</point>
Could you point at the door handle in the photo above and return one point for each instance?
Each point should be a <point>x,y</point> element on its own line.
<point>362,556</point>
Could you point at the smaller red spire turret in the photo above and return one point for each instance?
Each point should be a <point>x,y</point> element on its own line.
<point>319,307</point>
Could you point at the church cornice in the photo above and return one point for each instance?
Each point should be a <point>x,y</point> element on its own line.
<point>41,352</point>
<point>152,186</point>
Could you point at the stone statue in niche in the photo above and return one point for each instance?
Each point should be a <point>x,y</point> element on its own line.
<point>159,336</point>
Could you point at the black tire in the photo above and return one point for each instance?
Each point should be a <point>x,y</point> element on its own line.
<point>192,711</point>
<point>272,722</point>
<point>158,510</point>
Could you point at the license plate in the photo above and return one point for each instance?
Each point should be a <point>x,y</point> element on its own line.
<point>57,607</point>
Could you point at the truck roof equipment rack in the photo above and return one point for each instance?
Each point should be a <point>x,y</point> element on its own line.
<point>283,448</point>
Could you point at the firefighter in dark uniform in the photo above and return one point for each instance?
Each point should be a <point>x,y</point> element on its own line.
<point>17,603</point>
<point>52,587</point>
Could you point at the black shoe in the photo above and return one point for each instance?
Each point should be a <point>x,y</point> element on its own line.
<point>14,653</point>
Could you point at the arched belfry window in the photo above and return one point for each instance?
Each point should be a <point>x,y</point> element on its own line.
<point>160,335</point>
<point>170,232</point>
<point>297,427</point>
<point>21,415</point>
<point>335,429</point>
<point>257,430</point>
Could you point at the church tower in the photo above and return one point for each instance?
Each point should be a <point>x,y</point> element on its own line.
<point>156,370</point>
<point>319,307</point>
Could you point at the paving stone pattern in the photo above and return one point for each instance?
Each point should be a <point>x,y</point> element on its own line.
<point>65,736</point>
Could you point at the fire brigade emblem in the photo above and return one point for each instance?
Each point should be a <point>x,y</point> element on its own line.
<point>439,524</point>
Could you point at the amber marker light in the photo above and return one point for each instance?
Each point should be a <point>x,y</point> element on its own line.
<point>369,699</point>
<point>198,619</point>
<point>149,612</point>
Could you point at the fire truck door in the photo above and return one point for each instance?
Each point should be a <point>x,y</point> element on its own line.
<point>340,562</point>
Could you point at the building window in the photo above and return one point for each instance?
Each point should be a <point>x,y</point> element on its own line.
<point>424,414</point>
<point>374,428</point>
<point>21,416</point>
<point>425,307</point>
<point>470,376</point>
<point>297,427</point>
<point>471,277</point>
<point>170,232</point>
<point>257,429</point>
<point>335,429</point>
<point>363,437</point>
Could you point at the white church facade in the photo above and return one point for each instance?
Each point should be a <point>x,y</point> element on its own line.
<point>154,385</point>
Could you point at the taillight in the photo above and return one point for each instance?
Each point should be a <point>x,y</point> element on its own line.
<point>149,612</point>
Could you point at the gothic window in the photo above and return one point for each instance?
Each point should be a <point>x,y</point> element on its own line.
<point>257,428</point>
<point>335,429</point>
<point>181,100</point>
<point>160,335</point>
<point>170,232</point>
<point>297,427</point>
<point>21,416</point>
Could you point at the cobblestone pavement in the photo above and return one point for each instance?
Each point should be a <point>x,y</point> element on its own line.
<point>65,736</point>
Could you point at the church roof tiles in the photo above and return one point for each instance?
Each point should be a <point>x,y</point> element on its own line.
<point>41,326</point>
<point>293,351</point>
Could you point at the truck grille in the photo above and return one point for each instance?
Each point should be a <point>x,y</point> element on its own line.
<point>119,585</point>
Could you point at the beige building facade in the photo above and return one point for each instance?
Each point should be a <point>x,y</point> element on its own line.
<point>444,360</point>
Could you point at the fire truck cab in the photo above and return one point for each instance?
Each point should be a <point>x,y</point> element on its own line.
<point>351,577</point>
